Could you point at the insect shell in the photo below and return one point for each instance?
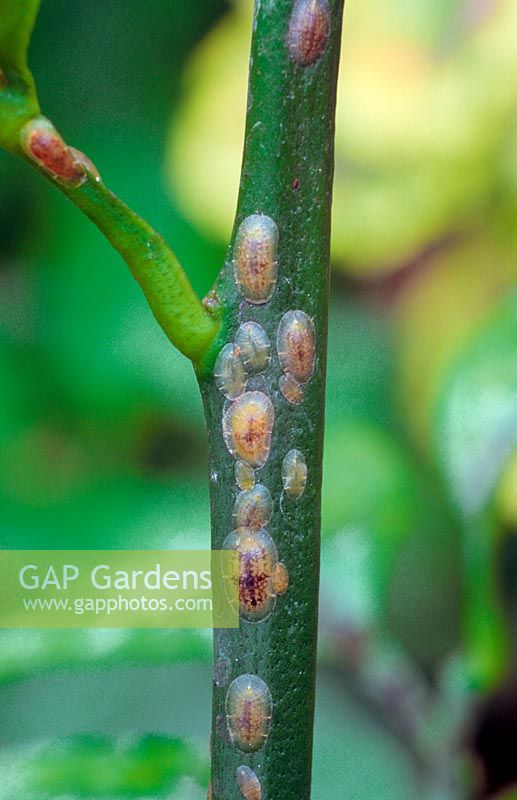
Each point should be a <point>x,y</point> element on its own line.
<point>296,345</point>
<point>249,707</point>
<point>255,258</point>
<point>291,389</point>
<point>252,346</point>
<point>253,509</point>
<point>257,558</point>
<point>294,473</point>
<point>280,578</point>
<point>244,476</point>
<point>248,783</point>
<point>309,30</point>
<point>229,373</point>
<point>43,144</point>
<point>247,428</point>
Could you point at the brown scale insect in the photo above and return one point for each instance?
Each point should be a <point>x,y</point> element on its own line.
<point>255,565</point>
<point>247,428</point>
<point>294,473</point>
<point>253,509</point>
<point>291,389</point>
<point>280,578</point>
<point>255,258</point>
<point>296,345</point>
<point>44,145</point>
<point>229,373</point>
<point>248,783</point>
<point>309,30</point>
<point>249,708</point>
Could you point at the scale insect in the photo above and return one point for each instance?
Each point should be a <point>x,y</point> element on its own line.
<point>296,345</point>
<point>291,389</point>
<point>248,783</point>
<point>229,373</point>
<point>249,708</point>
<point>257,557</point>
<point>253,508</point>
<point>253,348</point>
<point>294,474</point>
<point>280,578</point>
<point>244,476</point>
<point>247,428</point>
<point>43,144</point>
<point>255,258</point>
<point>309,30</point>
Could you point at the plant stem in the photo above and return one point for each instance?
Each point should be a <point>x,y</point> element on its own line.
<point>287,175</point>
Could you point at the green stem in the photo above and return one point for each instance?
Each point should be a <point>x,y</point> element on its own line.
<point>287,175</point>
<point>185,320</point>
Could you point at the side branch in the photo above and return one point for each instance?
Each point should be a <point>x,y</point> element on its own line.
<point>189,324</point>
<point>186,321</point>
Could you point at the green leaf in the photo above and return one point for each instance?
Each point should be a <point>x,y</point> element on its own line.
<point>476,426</point>
<point>369,504</point>
<point>18,101</point>
<point>99,767</point>
<point>476,432</point>
<point>53,650</point>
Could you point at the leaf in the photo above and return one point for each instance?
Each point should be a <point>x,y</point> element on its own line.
<point>53,650</point>
<point>476,425</point>
<point>476,432</point>
<point>369,499</point>
<point>100,767</point>
<point>18,101</point>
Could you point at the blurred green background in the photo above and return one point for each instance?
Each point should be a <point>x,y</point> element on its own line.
<point>101,433</point>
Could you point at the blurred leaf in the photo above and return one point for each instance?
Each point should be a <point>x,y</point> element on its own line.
<point>440,307</point>
<point>475,434</point>
<point>476,423</point>
<point>423,115</point>
<point>33,653</point>
<point>354,754</point>
<point>98,767</point>
<point>369,511</point>
<point>360,365</point>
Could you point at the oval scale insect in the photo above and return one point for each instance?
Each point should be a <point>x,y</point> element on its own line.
<point>244,476</point>
<point>253,508</point>
<point>248,783</point>
<point>255,258</point>
<point>249,708</point>
<point>280,578</point>
<point>296,345</point>
<point>291,389</point>
<point>294,474</point>
<point>247,428</point>
<point>43,144</point>
<point>309,30</point>
<point>229,373</point>
<point>255,565</point>
<point>253,348</point>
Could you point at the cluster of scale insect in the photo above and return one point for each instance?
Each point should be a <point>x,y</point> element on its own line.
<point>247,427</point>
<point>248,424</point>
